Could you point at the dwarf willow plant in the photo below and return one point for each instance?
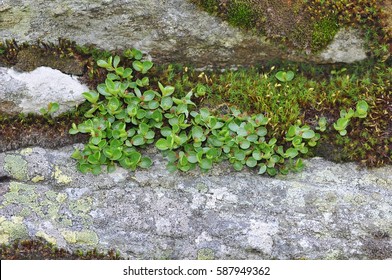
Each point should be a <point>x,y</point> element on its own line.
<point>345,116</point>
<point>127,115</point>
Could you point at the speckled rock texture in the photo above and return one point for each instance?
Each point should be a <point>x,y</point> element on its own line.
<point>329,211</point>
<point>168,30</point>
<point>28,92</point>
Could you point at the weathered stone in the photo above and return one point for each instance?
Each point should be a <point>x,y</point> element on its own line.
<point>169,31</point>
<point>29,92</point>
<point>347,46</point>
<point>329,211</point>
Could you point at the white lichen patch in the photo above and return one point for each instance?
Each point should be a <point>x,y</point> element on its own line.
<point>220,195</point>
<point>260,236</point>
<point>60,177</point>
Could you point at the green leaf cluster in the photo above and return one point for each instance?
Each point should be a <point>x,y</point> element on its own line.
<point>127,114</point>
<point>345,116</point>
<point>52,107</point>
<point>284,76</point>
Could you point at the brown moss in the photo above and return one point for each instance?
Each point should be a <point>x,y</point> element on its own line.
<point>34,57</point>
<point>39,249</point>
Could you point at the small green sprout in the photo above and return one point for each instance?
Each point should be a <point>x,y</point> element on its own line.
<point>284,76</point>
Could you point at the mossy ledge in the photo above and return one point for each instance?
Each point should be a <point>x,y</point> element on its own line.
<point>317,90</point>
<point>304,24</point>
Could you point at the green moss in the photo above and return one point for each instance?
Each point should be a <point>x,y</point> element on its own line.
<point>241,14</point>
<point>323,32</point>
<point>210,6</point>
<point>16,166</point>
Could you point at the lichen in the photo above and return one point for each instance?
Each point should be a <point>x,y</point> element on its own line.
<point>202,188</point>
<point>38,178</point>
<point>12,230</point>
<point>26,151</point>
<point>16,166</point>
<point>87,237</point>
<point>47,237</point>
<point>60,177</point>
<point>81,206</point>
<point>21,194</point>
<point>45,206</point>
<point>205,254</point>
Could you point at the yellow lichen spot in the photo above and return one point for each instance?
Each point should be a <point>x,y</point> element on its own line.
<point>69,236</point>
<point>87,237</point>
<point>12,230</point>
<point>61,197</point>
<point>83,237</point>
<point>47,237</point>
<point>37,179</point>
<point>60,177</point>
<point>26,151</point>
<point>17,220</point>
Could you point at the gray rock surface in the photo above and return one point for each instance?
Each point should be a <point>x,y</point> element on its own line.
<point>29,92</point>
<point>347,46</point>
<point>329,211</point>
<point>168,30</point>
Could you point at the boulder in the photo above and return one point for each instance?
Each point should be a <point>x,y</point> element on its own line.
<point>329,211</point>
<point>28,92</point>
<point>169,31</point>
<point>347,46</point>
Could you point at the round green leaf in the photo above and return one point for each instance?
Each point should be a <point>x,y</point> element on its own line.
<point>138,140</point>
<point>148,95</point>
<point>251,162</point>
<point>257,155</point>
<point>162,144</point>
<point>153,104</point>
<point>166,103</point>
<point>261,131</point>
<point>262,169</point>
<point>272,171</point>
<point>292,152</point>
<point>239,155</point>
<point>145,162</point>
<point>245,144</point>
<point>238,166</point>
<point>308,134</point>
<point>206,163</point>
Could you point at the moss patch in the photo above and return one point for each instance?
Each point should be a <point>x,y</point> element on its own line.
<point>40,249</point>
<point>323,32</point>
<point>241,14</point>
